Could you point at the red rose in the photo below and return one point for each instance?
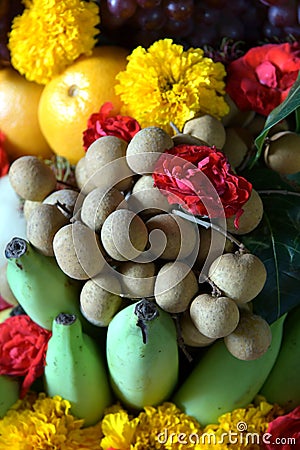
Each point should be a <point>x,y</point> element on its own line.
<point>283,433</point>
<point>23,346</point>
<point>200,179</point>
<point>4,163</point>
<point>102,124</point>
<point>261,79</point>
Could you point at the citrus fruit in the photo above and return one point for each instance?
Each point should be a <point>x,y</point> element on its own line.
<point>71,97</point>
<point>19,101</point>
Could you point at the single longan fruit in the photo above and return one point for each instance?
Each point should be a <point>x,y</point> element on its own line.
<point>100,299</point>
<point>83,180</point>
<point>208,129</point>
<point>65,200</point>
<point>106,165</point>
<point>77,251</point>
<point>175,286</point>
<point>190,334</point>
<point>147,199</point>
<point>43,223</point>
<point>240,276</point>
<point>237,144</point>
<point>137,279</point>
<point>251,217</point>
<point>215,317</point>
<point>181,236</point>
<point>282,153</point>
<point>145,148</point>
<point>235,116</point>
<point>251,338</point>
<point>31,178</point>
<point>124,235</point>
<point>5,290</point>
<point>28,207</point>
<point>187,139</point>
<point>99,204</point>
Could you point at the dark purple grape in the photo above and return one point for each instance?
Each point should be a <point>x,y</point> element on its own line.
<point>148,3</point>
<point>204,35</point>
<point>231,27</point>
<point>219,4</point>
<point>239,6</point>
<point>209,16</point>
<point>273,2</point>
<point>178,10</point>
<point>271,32</point>
<point>179,28</point>
<point>149,19</point>
<point>122,8</point>
<point>108,20</point>
<point>294,31</point>
<point>282,16</point>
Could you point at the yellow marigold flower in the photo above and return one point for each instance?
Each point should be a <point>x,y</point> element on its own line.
<point>240,429</point>
<point>119,430</point>
<point>50,35</point>
<point>43,423</point>
<point>167,84</point>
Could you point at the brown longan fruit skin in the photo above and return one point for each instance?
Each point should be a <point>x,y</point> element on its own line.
<point>78,252</point>
<point>124,235</point>
<point>65,200</point>
<point>99,204</point>
<point>175,286</point>
<point>31,178</point>
<point>147,199</point>
<point>251,217</point>
<point>100,299</point>
<point>5,290</point>
<point>137,279</point>
<point>215,317</point>
<point>43,223</point>
<point>282,153</point>
<point>190,334</point>
<point>106,165</point>
<point>208,129</point>
<point>251,338</point>
<point>181,235</point>
<point>240,276</point>
<point>83,180</point>
<point>145,148</point>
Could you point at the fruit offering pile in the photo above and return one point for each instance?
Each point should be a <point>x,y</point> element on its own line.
<point>149,232</point>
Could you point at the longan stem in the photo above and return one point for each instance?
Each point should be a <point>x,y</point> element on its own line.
<point>210,225</point>
<point>279,191</point>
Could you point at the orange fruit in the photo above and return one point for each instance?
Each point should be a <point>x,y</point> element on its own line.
<point>19,100</point>
<point>70,98</point>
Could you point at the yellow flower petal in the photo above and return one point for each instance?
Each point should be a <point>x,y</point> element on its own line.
<point>167,84</point>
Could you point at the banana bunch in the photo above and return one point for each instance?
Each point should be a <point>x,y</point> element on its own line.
<point>38,284</point>
<point>75,370</point>
<point>142,355</point>
<point>283,383</point>
<point>220,382</point>
<point>9,393</point>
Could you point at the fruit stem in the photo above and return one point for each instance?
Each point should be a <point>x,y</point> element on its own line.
<point>180,340</point>
<point>16,248</point>
<point>279,191</point>
<point>175,129</point>
<point>146,311</point>
<point>207,225</point>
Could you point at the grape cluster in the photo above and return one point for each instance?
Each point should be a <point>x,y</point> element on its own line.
<point>199,23</point>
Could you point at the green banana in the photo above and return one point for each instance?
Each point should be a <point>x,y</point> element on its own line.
<point>283,383</point>
<point>75,370</point>
<point>142,354</point>
<point>9,393</point>
<point>220,382</point>
<point>39,285</point>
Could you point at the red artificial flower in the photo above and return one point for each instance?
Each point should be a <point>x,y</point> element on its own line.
<point>200,179</point>
<point>4,163</point>
<point>261,79</point>
<point>102,124</point>
<point>23,346</point>
<point>283,433</point>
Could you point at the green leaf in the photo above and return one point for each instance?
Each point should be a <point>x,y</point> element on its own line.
<point>276,241</point>
<point>288,106</point>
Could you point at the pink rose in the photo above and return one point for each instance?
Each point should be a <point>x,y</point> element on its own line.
<point>261,79</point>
